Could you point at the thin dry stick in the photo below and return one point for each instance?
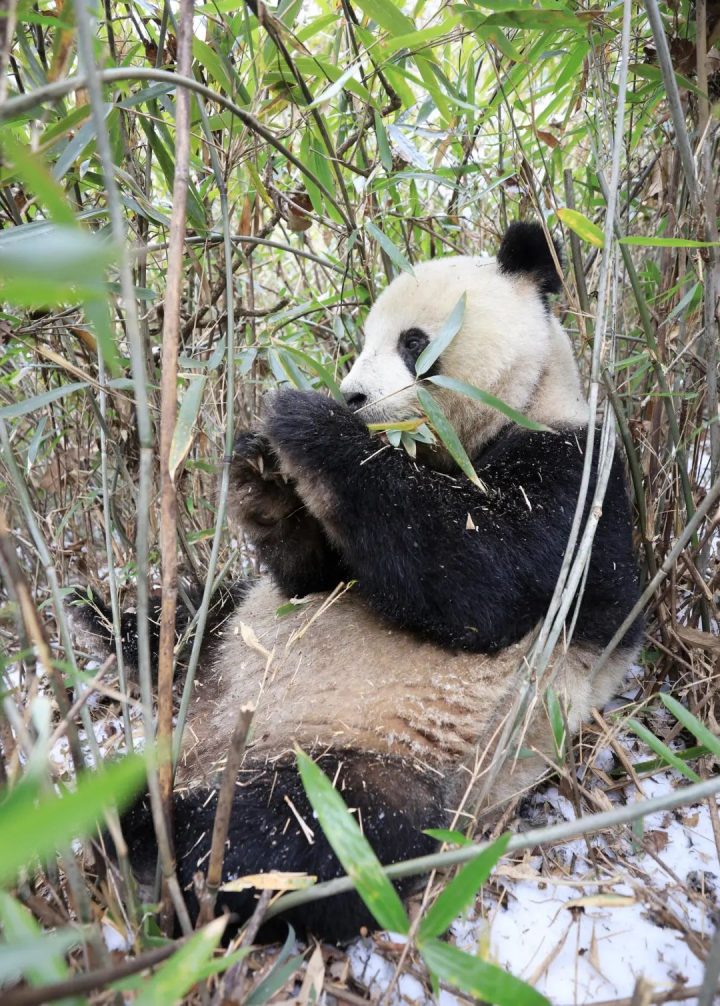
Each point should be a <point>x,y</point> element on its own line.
<point>82,983</point>
<point>168,417</point>
<point>223,810</point>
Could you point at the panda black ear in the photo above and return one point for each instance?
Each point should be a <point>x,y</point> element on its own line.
<point>525,249</point>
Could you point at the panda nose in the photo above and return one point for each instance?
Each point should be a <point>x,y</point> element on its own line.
<point>355,400</point>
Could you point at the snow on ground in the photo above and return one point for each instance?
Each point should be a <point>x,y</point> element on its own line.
<point>583,932</point>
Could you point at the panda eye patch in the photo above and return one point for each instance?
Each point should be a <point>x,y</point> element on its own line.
<point>410,345</point>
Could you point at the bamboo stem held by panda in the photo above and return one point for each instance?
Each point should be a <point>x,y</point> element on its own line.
<point>168,418</point>
<point>221,824</point>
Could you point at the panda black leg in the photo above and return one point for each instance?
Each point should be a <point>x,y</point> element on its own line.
<point>391,799</point>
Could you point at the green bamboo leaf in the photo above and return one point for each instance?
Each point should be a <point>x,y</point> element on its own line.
<point>650,242</point>
<point>391,250</point>
<point>184,431</point>
<point>34,174</point>
<point>447,434</point>
<point>176,976</point>
<point>461,892</point>
<point>272,983</point>
<point>557,721</point>
<point>487,399</point>
<point>388,15</point>
<point>36,956</point>
<point>478,978</point>
<point>352,848</point>
<point>441,342</point>
<point>28,952</point>
<point>705,737</point>
<point>583,227</point>
<point>97,312</point>
<point>32,827</point>
<point>448,835</point>
<point>53,265</point>
<point>40,401</point>
<point>668,756</point>
<point>688,754</point>
<point>337,85</point>
<point>383,144</point>
<point>323,373</point>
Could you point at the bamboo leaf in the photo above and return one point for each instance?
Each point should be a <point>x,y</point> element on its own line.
<point>668,756</point>
<point>352,848</point>
<point>478,978</point>
<point>35,175</point>
<point>34,827</point>
<point>26,951</point>
<point>651,242</point>
<point>39,401</point>
<point>461,892</point>
<point>487,399</point>
<point>388,15</point>
<point>443,339</point>
<point>391,250</point>
<point>583,227</point>
<point>176,976</point>
<point>448,436</point>
<point>184,431</point>
<point>704,736</point>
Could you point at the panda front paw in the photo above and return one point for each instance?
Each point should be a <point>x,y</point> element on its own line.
<point>261,495</point>
<point>307,430</point>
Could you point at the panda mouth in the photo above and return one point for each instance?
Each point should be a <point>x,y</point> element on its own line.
<point>385,412</point>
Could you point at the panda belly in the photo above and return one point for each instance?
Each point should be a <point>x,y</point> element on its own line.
<point>338,678</point>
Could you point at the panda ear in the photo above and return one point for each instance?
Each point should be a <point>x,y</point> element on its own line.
<point>525,250</point>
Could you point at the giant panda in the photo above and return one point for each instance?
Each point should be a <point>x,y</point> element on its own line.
<point>397,681</point>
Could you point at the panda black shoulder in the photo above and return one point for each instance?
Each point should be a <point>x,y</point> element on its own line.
<point>525,250</point>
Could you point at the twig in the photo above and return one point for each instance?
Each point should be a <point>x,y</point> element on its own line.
<point>229,440</point>
<point>87,982</point>
<point>223,810</point>
<point>232,989</point>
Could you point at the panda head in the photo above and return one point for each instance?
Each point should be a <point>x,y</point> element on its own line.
<point>509,344</point>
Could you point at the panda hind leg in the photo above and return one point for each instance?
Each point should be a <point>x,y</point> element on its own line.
<point>391,799</point>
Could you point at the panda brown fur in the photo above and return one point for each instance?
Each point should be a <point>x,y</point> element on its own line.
<point>399,683</point>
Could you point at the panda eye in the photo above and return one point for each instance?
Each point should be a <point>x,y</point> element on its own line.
<point>414,341</point>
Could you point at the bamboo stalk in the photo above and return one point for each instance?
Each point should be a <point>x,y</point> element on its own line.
<point>168,418</point>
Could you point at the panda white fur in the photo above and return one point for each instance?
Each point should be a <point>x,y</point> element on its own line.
<point>398,685</point>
